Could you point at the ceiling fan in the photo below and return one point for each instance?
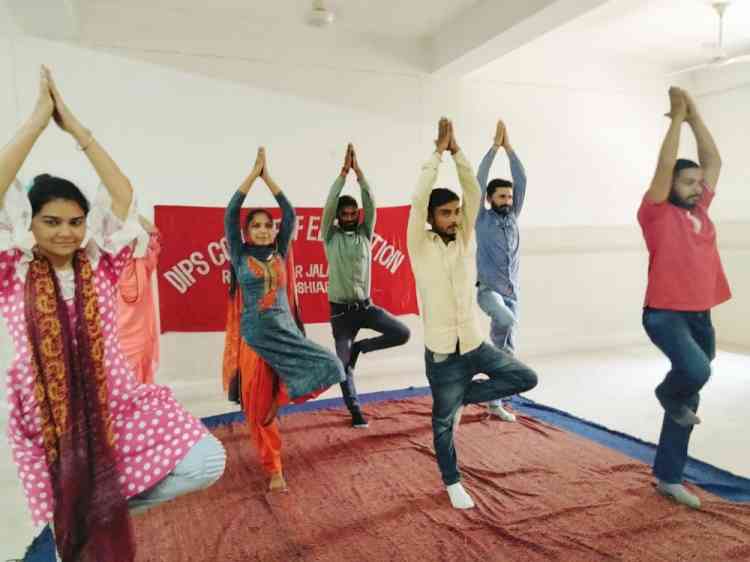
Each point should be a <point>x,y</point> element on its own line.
<point>320,15</point>
<point>720,58</point>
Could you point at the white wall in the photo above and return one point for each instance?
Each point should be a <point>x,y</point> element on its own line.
<point>189,139</point>
<point>724,94</point>
<point>7,94</point>
<point>589,134</point>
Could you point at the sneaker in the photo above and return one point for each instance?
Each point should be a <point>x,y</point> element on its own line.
<point>501,413</point>
<point>678,493</point>
<point>358,420</point>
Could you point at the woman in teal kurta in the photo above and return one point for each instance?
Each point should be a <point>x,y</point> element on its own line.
<point>266,323</point>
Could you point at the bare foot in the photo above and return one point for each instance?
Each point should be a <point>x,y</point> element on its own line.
<point>277,483</point>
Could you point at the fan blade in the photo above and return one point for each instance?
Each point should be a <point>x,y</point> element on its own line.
<point>689,69</point>
<point>738,58</point>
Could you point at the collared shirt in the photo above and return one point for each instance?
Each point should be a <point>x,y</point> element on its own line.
<point>348,252</point>
<point>498,238</point>
<point>684,267</point>
<point>446,273</point>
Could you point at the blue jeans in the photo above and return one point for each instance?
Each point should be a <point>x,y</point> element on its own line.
<point>689,341</point>
<point>451,383</point>
<point>503,313</point>
<point>202,466</point>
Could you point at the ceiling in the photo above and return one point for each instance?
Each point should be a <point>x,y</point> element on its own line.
<point>409,36</point>
<point>415,19</point>
<point>669,33</point>
<point>418,35</point>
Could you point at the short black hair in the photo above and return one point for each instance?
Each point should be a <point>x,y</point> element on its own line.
<point>46,188</point>
<point>683,164</point>
<point>346,201</point>
<point>439,197</point>
<point>497,184</point>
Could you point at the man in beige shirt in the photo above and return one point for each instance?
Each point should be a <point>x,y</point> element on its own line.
<point>444,264</point>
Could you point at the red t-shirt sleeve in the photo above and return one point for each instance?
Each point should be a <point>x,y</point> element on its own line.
<point>650,210</point>
<point>707,197</point>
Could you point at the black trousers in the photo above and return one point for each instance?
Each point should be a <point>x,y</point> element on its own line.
<point>347,320</point>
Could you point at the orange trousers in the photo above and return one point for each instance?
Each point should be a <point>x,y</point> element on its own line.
<point>260,385</point>
<point>257,382</point>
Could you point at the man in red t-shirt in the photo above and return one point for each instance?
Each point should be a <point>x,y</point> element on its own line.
<point>685,280</point>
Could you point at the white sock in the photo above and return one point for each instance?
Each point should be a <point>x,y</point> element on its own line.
<point>459,498</point>
<point>500,412</point>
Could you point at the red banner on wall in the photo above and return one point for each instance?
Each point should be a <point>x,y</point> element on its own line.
<point>194,266</point>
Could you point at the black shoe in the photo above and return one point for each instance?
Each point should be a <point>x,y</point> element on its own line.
<point>354,356</point>
<point>358,420</point>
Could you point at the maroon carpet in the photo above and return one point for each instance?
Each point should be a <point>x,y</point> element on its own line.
<point>376,495</point>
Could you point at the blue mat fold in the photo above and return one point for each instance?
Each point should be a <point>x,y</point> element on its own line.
<point>712,479</point>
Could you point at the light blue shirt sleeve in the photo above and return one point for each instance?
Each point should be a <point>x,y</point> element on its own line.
<point>483,172</point>
<point>518,173</point>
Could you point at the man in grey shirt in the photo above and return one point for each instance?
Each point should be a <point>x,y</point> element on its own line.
<point>347,245</point>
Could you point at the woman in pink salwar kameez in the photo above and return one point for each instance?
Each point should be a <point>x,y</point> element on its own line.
<point>90,442</point>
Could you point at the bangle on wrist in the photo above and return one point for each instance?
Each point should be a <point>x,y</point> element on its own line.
<point>83,147</point>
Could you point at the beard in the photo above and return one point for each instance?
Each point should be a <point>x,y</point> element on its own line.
<point>681,202</point>
<point>349,226</point>
<point>502,210</point>
<point>445,235</point>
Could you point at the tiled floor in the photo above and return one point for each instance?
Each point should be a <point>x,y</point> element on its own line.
<point>612,387</point>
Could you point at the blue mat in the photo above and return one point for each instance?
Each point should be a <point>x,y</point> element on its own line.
<point>715,480</point>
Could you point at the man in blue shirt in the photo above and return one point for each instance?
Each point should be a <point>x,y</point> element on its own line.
<point>498,255</point>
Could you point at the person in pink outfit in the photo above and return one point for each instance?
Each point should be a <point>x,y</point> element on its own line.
<point>92,445</point>
<point>136,312</point>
